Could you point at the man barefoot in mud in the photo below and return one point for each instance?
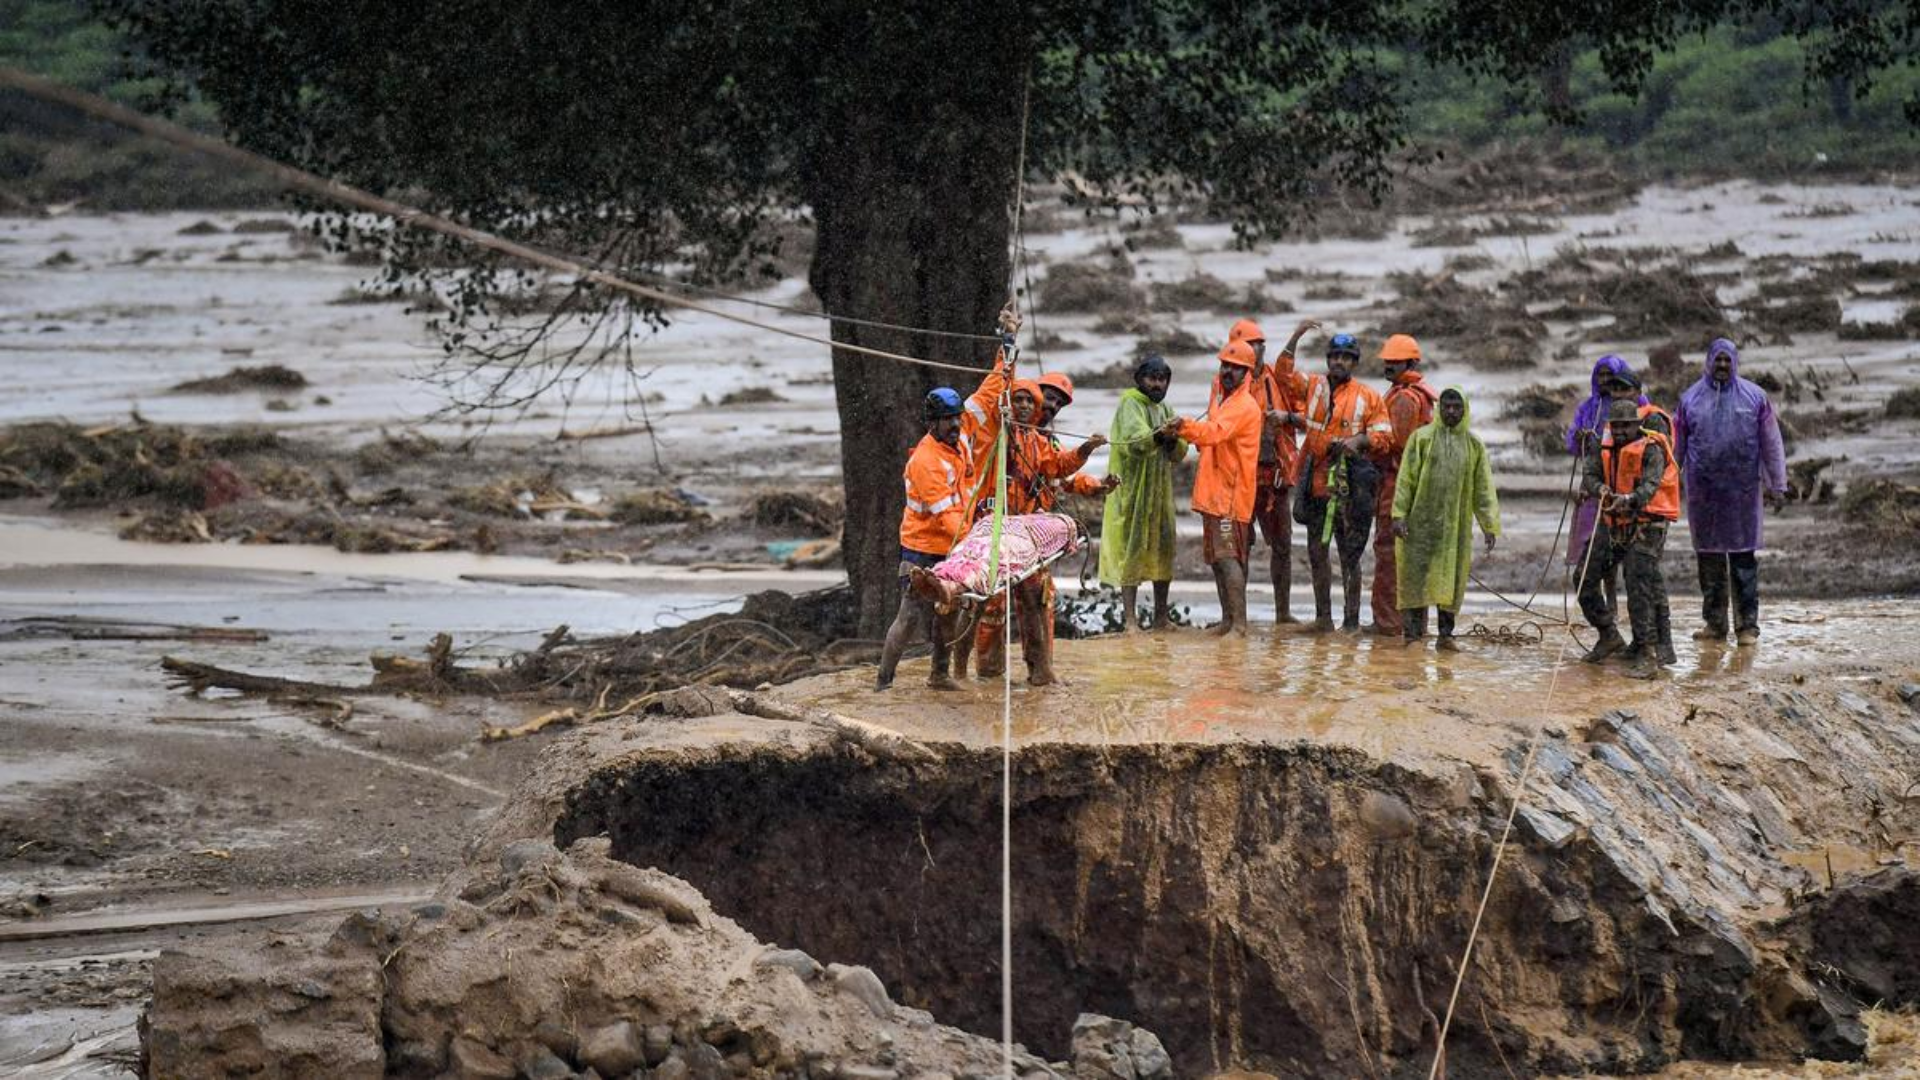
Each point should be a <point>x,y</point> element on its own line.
<point>1273,484</point>
<point>1445,485</point>
<point>1229,442</point>
<point>1136,529</point>
<point>1343,421</point>
<point>1731,458</point>
<point>1638,485</point>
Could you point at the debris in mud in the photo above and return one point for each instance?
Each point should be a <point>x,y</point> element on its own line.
<point>1540,401</point>
<point>1464,234</point>
<point>263,225</point>
<point>15,484</point>
<point>119,463</point>
<point>750,395</point>
<point>203,227</point>
<point>1482,329</point>
<point>613,969</point>
<point>1647,293</point>
<point>390,451</point>
<point>1887,506</point>
<point>1088,287</point>
<point>656,506</point>
<point>1115,376</point>
<point>1204,292</point>
<point>243,379</point>
<point>1904,404</point>
<point>171,525</point>
<point>818,514</point>
<point>775,638</point>
<point>1802,314</point>
<point>535,495</point>
<point>1804,482</point>
<point>1170,341</point>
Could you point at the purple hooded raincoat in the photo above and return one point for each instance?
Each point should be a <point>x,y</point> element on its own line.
<point>1728,445</point>
<point>1591,417</point>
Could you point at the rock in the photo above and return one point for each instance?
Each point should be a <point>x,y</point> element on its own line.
<point>651,888</point>
<point>470,1059</point>
<point>705,1063</point>
<point>1611,755</point>
<point>540,1063</point>
<point>556,1037</point>
<point>1855,704</point>
<point>1386,816</point>
<point>862,983</point>
<point>1150,1059</point>
<point>792,960</point>
<point>523,855</point>
<point>868,1072</point>
<point>658,1043</point>
<point>674,1067</point>
<point>615,1050</point>
<point>1909,692</point>
<point>1553,830</point>
<point>1104,1049</point>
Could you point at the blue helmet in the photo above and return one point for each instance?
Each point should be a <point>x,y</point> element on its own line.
<point>1345,343</point>
<point>941,401</point>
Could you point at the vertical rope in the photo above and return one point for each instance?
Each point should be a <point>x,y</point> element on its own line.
<point>1005,583</point>
<point>1513,810</point>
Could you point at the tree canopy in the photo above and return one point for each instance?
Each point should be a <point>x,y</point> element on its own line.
<point>671,135</point>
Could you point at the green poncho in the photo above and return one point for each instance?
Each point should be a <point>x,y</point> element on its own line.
<point>1136,532</point>
<point>1445,485</point>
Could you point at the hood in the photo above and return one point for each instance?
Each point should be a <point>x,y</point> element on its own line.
<point>1609,364</point>
<point>1720,347</point>
<point>1466,417</point>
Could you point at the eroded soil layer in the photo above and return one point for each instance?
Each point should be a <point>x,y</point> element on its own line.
<point>1281,908</point>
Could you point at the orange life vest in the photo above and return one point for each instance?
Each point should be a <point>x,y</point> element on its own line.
<point>1622,471</point>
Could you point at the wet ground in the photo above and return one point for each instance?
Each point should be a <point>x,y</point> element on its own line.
<point>121,800</point>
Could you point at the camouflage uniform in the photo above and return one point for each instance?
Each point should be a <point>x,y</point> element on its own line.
<point>1635,549</point>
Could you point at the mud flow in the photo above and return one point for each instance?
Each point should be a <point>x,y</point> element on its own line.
<point>1290,909</point>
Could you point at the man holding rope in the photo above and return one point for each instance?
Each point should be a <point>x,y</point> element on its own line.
<point>947,466</point>
<point>1638,485</point>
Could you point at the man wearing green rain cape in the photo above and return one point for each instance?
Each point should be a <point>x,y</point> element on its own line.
<point>1445,486</point>
<point>1136,530</point>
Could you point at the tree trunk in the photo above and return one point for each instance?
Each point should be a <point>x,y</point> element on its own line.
<point>910,236</point>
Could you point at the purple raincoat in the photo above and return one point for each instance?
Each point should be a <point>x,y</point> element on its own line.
<point>1728,444</point>
<point>1591,417</point>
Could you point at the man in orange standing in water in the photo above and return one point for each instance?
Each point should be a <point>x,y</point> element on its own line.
<point>1409,407</point>
<point>1223,492</point>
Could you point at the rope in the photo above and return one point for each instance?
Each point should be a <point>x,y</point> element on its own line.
<point>334,191</point>
<point>875,324</point>
<point>1506,832</point>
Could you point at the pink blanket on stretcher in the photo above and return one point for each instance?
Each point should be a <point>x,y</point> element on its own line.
<point>1026,541</point>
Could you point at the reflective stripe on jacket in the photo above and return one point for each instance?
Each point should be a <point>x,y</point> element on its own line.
<point>936,479</point>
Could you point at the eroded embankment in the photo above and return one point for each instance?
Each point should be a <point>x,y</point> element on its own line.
<point>1285,908</point>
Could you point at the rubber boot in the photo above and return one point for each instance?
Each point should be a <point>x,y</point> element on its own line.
<point>1350,595</point>
<point>1322,596</point>
<point>1610,643</point>
<point>1713,598</point>
<point>1647,667</point>
<point>1281,567</point>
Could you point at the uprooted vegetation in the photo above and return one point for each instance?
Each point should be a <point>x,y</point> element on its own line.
<point>276,378</point>
<point>1883,506</point>
<point>1480,327</point>
<point>1646,294</point>
<point>1091,287</point>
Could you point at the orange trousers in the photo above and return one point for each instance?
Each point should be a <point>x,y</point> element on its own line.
<point>1386,587</point>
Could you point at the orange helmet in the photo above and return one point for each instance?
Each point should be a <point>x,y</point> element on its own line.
<point>1237,353</point>
<point>1401,348</point>
<point>1246,330</point>
<point>1059,381</point>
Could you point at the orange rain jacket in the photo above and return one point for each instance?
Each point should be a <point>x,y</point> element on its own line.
<point>1409,407</point>
<point>1229,442</point>
<point>939,478</point>
<point>1332,414</point>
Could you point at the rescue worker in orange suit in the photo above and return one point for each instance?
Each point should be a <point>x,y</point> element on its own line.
<point>941,472</point>
<point>1057,388</point>
<point>1344,422</point>
<point>1279,442</point>
<point>1223,492</point>
<point>1409,405</point>
<point>1638,482</point>
<point>1036,466</point>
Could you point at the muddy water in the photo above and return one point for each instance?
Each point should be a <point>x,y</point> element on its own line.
<point>1373,694</point>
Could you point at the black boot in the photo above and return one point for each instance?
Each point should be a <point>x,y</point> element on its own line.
<point>1713,598</point>
<point>1610,643</point>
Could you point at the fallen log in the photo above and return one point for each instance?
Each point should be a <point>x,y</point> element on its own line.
<point>879,740</point>
<point>198,678</point>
